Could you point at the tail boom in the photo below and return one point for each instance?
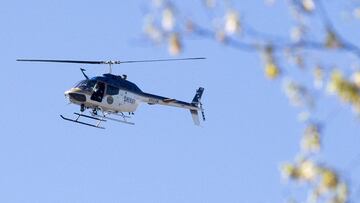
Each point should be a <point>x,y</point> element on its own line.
<point>195,106</point>
<point>155,99</point>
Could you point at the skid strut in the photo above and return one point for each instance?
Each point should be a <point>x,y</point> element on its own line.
<point>106,116</point>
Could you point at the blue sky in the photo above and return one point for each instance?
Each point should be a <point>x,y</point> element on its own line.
<point>234,157</point>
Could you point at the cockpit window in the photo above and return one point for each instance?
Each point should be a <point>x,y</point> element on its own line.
<point>111,90</point>
<point>86,84</point>
<point>81,83</point>
<point>91,84</point>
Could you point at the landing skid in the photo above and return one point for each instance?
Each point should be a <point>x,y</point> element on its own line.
<point>98,118</point>
<point>97,125</point>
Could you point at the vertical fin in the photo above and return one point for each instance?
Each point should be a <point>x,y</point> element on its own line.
<point>198,96</point>
<point>195,117</point>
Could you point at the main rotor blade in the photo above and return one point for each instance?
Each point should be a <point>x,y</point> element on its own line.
<point>108,62</point>
<point>161,60</point>
<point>62,61</point>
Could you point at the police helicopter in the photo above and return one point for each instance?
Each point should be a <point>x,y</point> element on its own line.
<point>115,98</point>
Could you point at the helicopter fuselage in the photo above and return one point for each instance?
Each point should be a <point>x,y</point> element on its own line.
<point>111,93</point>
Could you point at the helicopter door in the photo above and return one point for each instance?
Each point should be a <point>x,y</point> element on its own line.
<point>99,91</point>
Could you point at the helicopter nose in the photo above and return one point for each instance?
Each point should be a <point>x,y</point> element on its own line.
<point>76,96</point>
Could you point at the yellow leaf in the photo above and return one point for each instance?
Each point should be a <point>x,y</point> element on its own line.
<point>271,71</point>
<point>308,5</point>
<point>332,41</point>
<point>153,32</point>
<point>289,171</point>
<point>168,19</point>
<point>311,139</point>
<point>356,78</point>
<point>342,192</point>
<point>232,22</point>
<point>308,170</point>
<point>329,179</point>
<point>336,79</point>
<point>174,44</point>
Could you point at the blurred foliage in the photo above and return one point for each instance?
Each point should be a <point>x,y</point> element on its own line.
<point>311,42</point>
<point>325,183</point>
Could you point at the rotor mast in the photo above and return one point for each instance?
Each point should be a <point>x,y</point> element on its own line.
<point>110,63</point>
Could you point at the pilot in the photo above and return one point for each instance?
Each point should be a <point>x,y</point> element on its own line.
<point>99,90</point>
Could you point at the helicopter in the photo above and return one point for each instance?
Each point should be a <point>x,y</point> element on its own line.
<point>115,98</point>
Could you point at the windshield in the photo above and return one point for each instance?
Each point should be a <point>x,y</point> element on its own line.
<point>86,84</point>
